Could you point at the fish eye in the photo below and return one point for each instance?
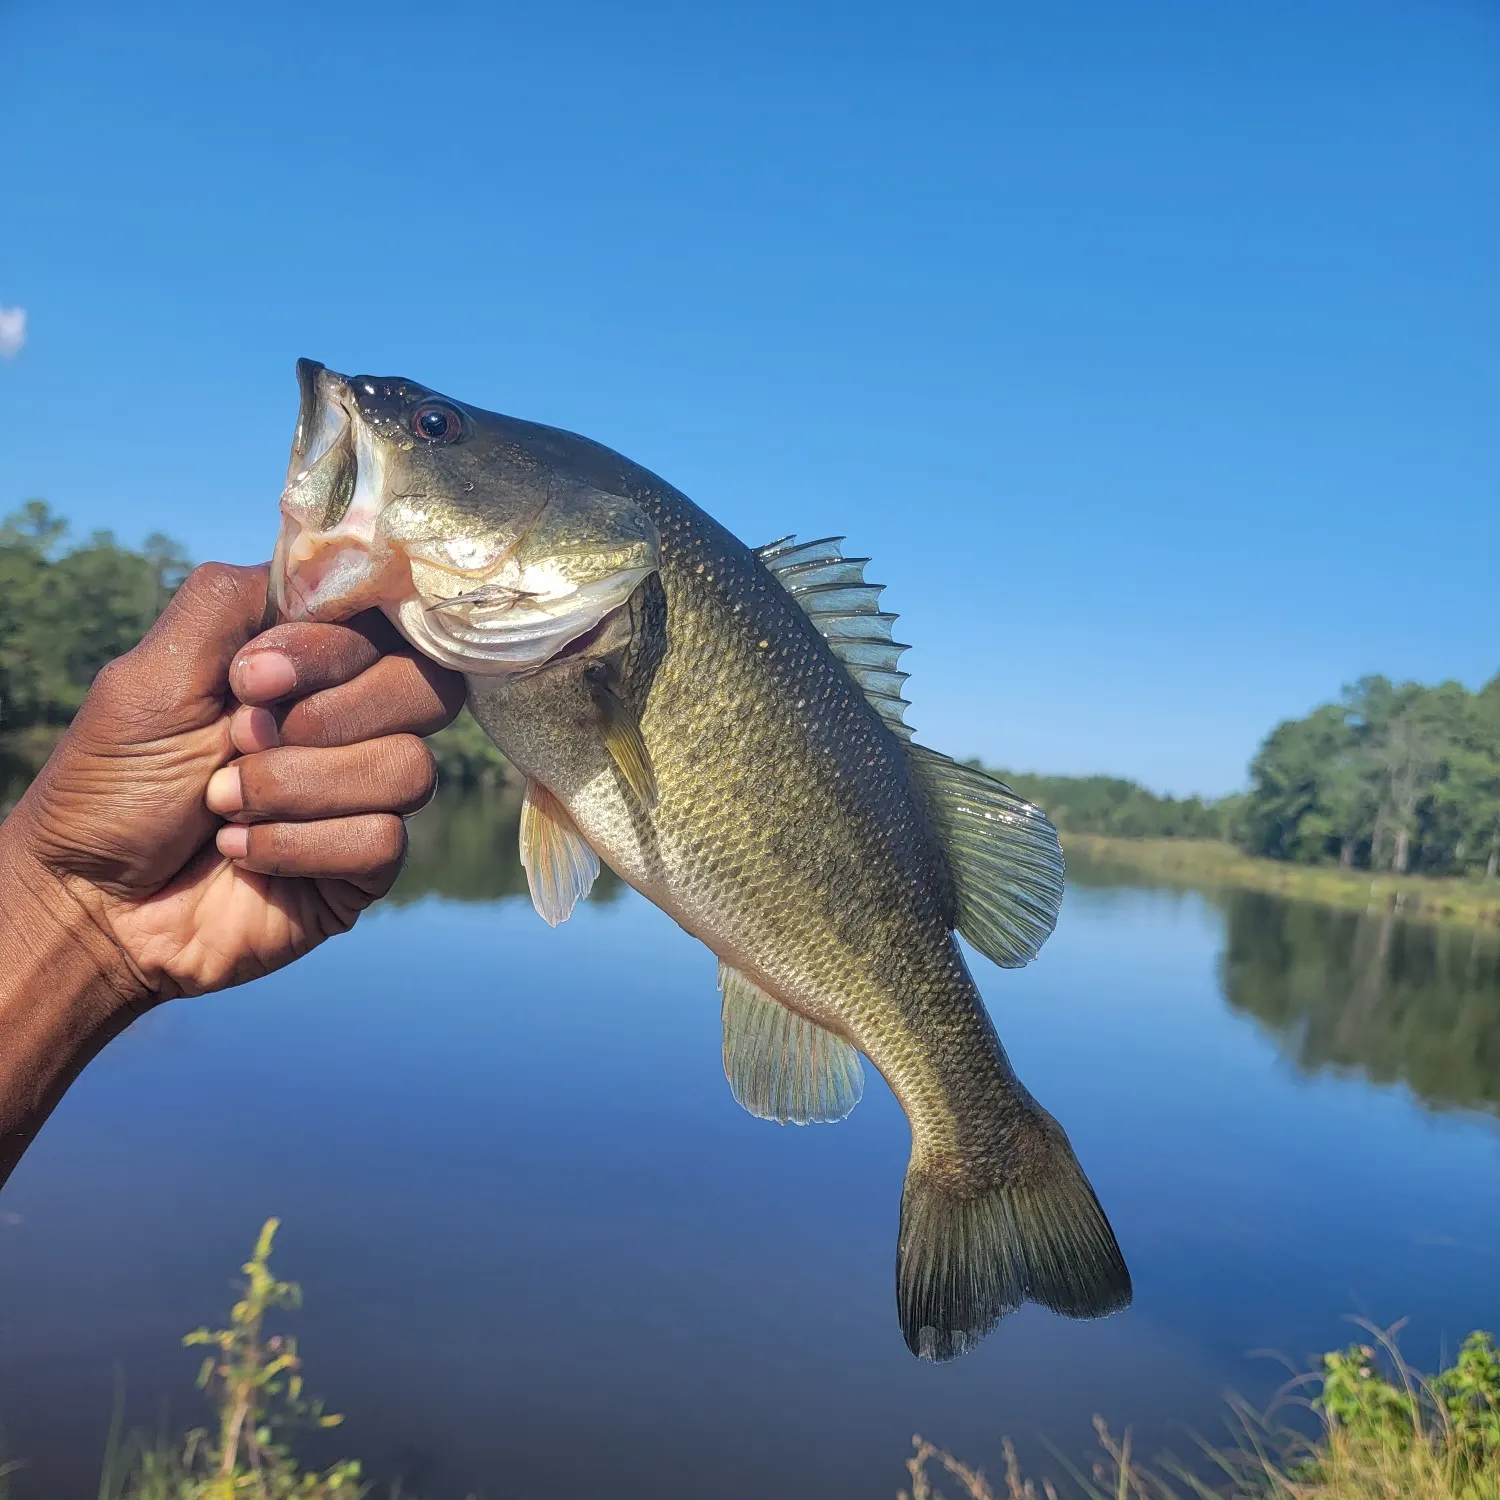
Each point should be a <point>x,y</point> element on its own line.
<point>438,424</point>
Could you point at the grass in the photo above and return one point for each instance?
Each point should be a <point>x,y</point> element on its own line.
<point>1379,1432</point>
<point>1200,862</point>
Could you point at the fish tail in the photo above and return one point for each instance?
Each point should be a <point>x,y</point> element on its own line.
<point>976,1242</point>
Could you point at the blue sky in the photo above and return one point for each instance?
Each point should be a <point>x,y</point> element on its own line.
<point>1151,349</point>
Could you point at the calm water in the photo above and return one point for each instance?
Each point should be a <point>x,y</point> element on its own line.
<point>545,1254</point>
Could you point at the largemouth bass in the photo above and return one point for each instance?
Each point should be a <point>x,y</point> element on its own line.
<point>724,727</point>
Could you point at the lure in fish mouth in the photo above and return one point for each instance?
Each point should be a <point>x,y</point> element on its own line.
<point>403,500</point>
<point>724,726</point>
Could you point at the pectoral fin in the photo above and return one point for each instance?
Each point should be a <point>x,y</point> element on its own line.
<point>621,730</point>
<point>780,1065</point>
<point>560,866</point>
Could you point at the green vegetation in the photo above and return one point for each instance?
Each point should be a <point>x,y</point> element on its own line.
<point>1388,798</point>
<point>1117,808</point>
<point>1381,1432</point>
<point>253,1378</point>
<point>64,612</point>
<point>1206,864</point>
<point>1394,779</point>
<point>467,758</point>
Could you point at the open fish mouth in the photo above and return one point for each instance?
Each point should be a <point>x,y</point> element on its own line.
<point>325,563</point>
<point>473,605</point>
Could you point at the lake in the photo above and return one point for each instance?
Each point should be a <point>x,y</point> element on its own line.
<point>544,1253</point>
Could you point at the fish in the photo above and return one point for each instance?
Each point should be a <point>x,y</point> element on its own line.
<point>724,727</point>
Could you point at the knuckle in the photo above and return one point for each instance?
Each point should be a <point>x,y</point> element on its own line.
<point>211,583</point>
<point>121,691</point>
<point>112,677</point>
<point>269,847</point>
<point>314,722</point>
<point>259,782</point>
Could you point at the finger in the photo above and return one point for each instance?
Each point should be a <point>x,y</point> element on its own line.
<point>304,657</point>
<point>185,657</point>
<point>367,850</point>
<point>394,774</point>
<point>400,694</point>
<point>252,729</point>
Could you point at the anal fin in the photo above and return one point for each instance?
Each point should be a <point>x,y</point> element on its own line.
<point>780,1065</point>
<point>560,866</point>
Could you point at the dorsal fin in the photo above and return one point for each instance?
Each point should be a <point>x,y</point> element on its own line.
<point>1005,856</point>
<point>1004,853</point>
<point>832,592</point>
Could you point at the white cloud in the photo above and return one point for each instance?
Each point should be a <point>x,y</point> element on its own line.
<point>12,331</point>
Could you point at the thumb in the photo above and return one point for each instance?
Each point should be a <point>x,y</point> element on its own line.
<point>187,653</point>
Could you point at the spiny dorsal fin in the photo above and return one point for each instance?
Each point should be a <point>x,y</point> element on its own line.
<point>832,591</point>
<point>560,867</point>
<point>623,739</point>
<point>1006,860</point>
<point>780,1065</point>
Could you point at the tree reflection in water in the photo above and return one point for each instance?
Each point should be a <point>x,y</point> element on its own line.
<point>464,847</point>
<point>1410,1002</point>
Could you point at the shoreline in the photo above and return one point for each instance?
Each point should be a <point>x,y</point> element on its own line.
<point>1207,862</point>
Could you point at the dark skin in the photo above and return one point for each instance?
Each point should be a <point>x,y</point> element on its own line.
<point>226,800</point>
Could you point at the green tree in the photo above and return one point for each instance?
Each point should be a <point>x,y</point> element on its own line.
<point>64,612</point>
<point>1307,788</point>
<point>1393,776</point>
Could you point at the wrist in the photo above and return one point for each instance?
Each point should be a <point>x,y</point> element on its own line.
<point>65,990</point>
<point>54,956</point>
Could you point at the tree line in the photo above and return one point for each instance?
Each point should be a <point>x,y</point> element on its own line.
<point>1120,808</point>
<point>66,608</point>
<point>1391,776</point>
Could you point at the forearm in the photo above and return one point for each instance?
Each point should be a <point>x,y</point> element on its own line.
<point>64,992</point>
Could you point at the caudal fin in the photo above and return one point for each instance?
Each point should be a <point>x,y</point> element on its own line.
<point>971,1251</point>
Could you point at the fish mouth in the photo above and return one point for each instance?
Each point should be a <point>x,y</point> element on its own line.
<point>329,563</point>
<point>308,371</point>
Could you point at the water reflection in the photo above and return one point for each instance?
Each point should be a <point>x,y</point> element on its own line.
<point>1407,1002</point>
<point>1397,1001</point>
<point>464,848</point>
<point>509,1155</point>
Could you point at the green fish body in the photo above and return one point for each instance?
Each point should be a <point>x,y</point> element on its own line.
<point>728,737</point>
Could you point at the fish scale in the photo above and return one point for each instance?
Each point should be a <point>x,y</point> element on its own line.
<point>729,739</point>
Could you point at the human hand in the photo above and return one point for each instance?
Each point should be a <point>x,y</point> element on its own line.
<point>315,764</point>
